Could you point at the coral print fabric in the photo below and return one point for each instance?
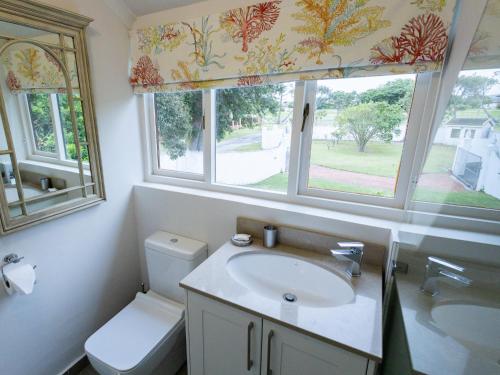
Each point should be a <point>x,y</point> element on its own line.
<point>283,40</point>
<point>29,68</point>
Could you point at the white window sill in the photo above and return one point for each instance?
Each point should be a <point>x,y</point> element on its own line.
<point>407,234</point>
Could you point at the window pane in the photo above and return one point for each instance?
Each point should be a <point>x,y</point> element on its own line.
<point>41,122</point>
<point>359,132</point>
<point>67,127</point>
<point>463,166</point>
<point>253,136</point>
<point>179,127</point>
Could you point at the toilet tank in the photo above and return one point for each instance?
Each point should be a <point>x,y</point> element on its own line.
<point>169,258</point>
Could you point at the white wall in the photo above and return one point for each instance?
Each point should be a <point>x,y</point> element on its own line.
<point>188,12</point>
<point>87,261</point>
<point>211,217</point>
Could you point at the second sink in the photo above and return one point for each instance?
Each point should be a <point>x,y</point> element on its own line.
<point>290,279</point>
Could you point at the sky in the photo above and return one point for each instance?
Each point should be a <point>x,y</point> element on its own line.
<point>493,73</point>
<point>362,84</point>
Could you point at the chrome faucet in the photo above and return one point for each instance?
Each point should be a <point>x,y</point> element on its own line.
<point>437,268</point>
<point>352,251</point>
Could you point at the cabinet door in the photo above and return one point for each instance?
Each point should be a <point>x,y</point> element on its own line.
<point>287,352</point>
<point>222,340</point>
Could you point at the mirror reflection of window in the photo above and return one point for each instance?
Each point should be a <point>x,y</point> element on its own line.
<point>42,170</point>
<point>42,124</point>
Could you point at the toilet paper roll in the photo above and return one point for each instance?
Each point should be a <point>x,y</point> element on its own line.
<point>18,277</point>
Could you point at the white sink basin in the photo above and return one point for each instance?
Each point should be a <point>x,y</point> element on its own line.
<point>473,323</point>
<point>273,275</point>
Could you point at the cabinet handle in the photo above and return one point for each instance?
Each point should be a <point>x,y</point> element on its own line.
<point>268,367</point>
<point>249,342</point>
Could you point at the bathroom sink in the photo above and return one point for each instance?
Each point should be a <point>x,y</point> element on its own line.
<point>289,279</point>
<point>473,323</point>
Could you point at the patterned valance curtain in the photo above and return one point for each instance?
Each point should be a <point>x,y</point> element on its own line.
<point>286,40</point>
<point>30,69</point>
<point>484,52</point>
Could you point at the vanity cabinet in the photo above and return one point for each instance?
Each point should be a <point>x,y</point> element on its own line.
<point>223,340</point>
<point>287,352</point>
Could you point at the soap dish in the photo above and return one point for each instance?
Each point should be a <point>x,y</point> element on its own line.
<point>241,240</point>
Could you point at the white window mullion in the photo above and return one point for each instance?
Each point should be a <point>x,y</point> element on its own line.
<point>58,130</point>
<point>295,145</point>
<point>306,135</point>
<point>418,140</point>
<point>442,87</point>
<point>155,157</point>
<point>209,135</point>
<point>26,119</point>
<point>418,119</point>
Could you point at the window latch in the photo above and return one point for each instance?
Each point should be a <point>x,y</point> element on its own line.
<point>305,114</point>
<point>203,121</point>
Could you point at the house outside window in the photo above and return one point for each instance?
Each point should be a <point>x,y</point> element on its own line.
<point>455,133</point>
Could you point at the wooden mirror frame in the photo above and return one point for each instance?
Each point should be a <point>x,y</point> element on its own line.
<point>65,24</point>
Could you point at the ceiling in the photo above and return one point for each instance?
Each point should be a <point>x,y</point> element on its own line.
<point>142,7</point>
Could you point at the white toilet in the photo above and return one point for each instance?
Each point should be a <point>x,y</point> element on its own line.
<point>148,336</point>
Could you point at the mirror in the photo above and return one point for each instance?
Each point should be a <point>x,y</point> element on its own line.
<point>49,157</point>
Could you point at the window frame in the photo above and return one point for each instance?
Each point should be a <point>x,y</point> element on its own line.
<point>58,157</point>
<point>154,139</point>
<point>30,131</point>
<point>403,179</point>
<point>432,93</point>
<point>398,208</point>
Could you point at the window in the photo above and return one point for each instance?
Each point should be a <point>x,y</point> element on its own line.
<point>67,128</point>
<point>359,143</point>
<point>253,131</point>
<point>50,128</point>
<point>358,134</point>
<point>42,124</point>
<point>466,172</point>
<point>455,133</point>
<point>179,124</point>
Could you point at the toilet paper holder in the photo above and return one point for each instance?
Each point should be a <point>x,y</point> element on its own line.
<point>11,258</point>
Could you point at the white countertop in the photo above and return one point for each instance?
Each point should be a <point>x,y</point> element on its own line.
<point>356,326</point>
<point>433,351</point>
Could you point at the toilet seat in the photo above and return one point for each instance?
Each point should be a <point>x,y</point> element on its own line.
<point>136,333</point>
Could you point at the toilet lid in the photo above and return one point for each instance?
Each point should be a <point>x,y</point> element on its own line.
<point>125,340</point>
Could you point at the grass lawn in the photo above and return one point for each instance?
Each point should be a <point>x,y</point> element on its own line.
<point>478,113</point>
<point>463,198</point>
<point>249,147</point>
<point>279,182</point>
<point>379,159</point>
<point>440,159</point>
<point>240,133</point>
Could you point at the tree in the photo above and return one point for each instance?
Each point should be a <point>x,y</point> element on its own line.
<point>178,120</point>
<point>179,116</point>
<point>67,126</point>
<point>41,122</point>
<point>245,105</point>
<point>366,121</point>
<point>329,99</point>
<point>471,92</point>
<point>398,92</point>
